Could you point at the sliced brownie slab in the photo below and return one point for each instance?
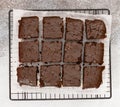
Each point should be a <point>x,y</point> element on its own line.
<point>27,75</point>
<point>71,75</point>
<point>29,51</point>
<point>74,29</point>
<point>52,27</point>
<point>50,75</point>
<point>73,52</point>
<point>92,76</point>
<point>29,27</point>
<point>95,29</point>
<point>94,53</point>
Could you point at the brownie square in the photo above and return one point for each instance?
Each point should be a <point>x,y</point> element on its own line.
<point>73,52</point>
<point>27,75</point>
<point>92,76</point>
<point>74,29</point>
<point>94,53</point>
<point>95,29</point>
<point>29,27</point>
<point>51,51</point>
<point>52,27</point>
<point>71,75</point>
<point>50,75</point>
<point>29,51</point>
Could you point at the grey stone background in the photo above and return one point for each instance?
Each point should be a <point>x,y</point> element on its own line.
<point>113,5</point>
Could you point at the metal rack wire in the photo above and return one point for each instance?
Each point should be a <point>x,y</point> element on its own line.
<point>45,96</point>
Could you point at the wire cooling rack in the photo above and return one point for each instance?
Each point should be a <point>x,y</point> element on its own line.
<point>44,96</point>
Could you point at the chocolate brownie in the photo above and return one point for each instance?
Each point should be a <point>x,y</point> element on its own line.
<point>29,27</point>
<point>74,29</point>
<point>92,76</point>
<point>73,52</point>
<point>71,75</point>
<point>28,51</point>
<point>50,75</point>
<point>94,53</point>
<point>52,27</point>
<point>51,51</point>
<point>27,75</point>
<point>95,29</point>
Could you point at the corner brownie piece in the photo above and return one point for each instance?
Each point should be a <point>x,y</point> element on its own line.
<point>27,75</point>
<point>73,52</point>
<point>95,29</point>
<point>50,75</point>
<point>51,51</point>
<point>74,29</point>
<point>94,53</point>
<point>29,27</point>
<point>29,51</point>
<point>71,75</point>
<point>52,27</point>
<point>92,76</point>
